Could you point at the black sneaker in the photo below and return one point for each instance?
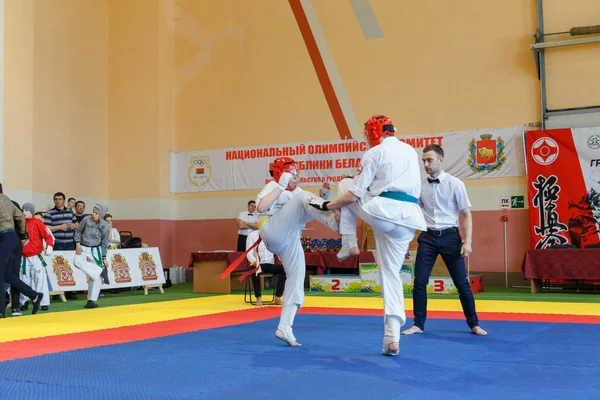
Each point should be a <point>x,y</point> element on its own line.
<point>16,312</point>
<point>90,304</point>
<point>36,303</point>
<point>44,308</point>
<point>25,306</point>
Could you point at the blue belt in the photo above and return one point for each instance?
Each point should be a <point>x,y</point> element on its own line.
<point>400,196</point>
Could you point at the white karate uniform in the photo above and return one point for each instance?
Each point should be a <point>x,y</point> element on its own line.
<point>281,234</point>
<point>392,166</point>
<point>86,262</point>
<point>33,274</point>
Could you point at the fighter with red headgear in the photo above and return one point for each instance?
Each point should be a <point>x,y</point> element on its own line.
<point>384,193</point>
<point>284,210</point>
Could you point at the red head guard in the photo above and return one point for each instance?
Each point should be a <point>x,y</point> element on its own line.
<point>281,165</point>
<point>377,127</point>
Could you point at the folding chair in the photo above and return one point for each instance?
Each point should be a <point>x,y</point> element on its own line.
<point>249,289</point>
<point>124,236</point>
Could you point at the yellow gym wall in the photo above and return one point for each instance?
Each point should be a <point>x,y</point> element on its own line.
<point>55,77</point>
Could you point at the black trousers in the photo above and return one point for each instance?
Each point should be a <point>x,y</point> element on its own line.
<point>12,275</point>
<point>448,246</point>
<point>241,244</point>
<point>16,269</point>
<point>274,269</point>
<point>8,243</point>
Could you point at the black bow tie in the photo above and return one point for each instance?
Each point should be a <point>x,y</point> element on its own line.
<point>436,180</point>
<point>249,214</point>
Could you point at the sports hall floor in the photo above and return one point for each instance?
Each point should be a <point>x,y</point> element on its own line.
<point>179,345</point>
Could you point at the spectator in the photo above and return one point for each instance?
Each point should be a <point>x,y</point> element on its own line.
<point>266,260</point>
<point>33,265</point>
<point>79,211</point>
<point>71,203</point>
<point>10,234</point>
<point>61,222</point>
<point>114,239</point>
<point>40,215</point>
<point>92,244</point>
<point>246,223</point>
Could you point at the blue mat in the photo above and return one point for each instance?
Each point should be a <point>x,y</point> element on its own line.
<point>340,359</point>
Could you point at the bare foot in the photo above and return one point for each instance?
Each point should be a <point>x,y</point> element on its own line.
<point>412,330</point>
<point>478,331</point>
<point>258,302</point>
<point>394,346</point>
<point>278,301</point>
<point>279,334</point>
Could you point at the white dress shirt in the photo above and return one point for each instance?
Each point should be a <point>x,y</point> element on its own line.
<point>392,166</point>
<point>442,202</point>
<point>247,217</point>
<point>266,257</point>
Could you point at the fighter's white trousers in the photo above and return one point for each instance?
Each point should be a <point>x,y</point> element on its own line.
<point>281,234</point>
<point>88,262</point>
<point>392,240</point>
<point>33,274</point>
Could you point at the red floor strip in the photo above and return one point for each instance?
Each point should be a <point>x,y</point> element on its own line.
<point>483,316</point>
<point>75,341</point>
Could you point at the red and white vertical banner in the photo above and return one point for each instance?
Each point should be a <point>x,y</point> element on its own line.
<point>563,186</point>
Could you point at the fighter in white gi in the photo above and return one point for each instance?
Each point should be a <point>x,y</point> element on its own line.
<point>384,194</point>
<point>284,209</point>
<point>33,271</point>
<point>91,244</point>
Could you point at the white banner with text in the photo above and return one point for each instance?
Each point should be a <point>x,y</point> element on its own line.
<point>476,154</point>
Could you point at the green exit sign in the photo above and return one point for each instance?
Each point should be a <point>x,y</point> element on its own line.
<point>517,201</point>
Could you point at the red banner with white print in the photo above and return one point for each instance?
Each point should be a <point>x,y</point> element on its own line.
<point>563,187</point>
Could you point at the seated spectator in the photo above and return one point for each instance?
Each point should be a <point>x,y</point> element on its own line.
<point>267,266</point>
<point>114,239</point>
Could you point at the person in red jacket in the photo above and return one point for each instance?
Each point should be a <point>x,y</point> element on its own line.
<point>33,270</point>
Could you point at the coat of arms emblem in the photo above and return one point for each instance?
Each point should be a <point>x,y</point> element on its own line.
<point>487,154</point>
<point>147,266</point>
<point>62,269</point>
<point>120,268</point>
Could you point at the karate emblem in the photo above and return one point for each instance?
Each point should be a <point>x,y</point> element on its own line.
<point>63,271</point>
<point>120,268</point>
<point>147,266</point>
<point>544,151</point>
<point>487,154</point>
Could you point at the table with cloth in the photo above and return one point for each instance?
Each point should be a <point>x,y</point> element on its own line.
<point>209,265</point>
<point>576,264</point>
